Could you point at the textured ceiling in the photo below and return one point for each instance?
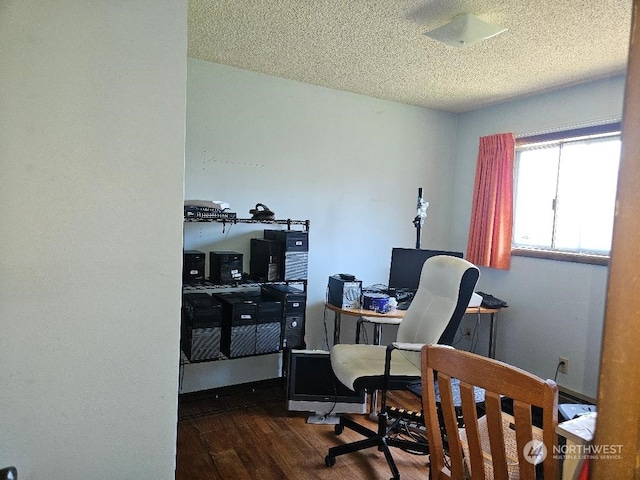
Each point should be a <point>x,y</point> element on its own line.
<point>378,47</point>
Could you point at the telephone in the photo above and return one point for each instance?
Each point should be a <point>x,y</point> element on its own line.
<point>489,301</point>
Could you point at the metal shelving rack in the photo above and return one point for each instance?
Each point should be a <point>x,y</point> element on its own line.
<point>232,221</point>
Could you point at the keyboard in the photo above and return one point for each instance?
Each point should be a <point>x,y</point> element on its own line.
<point>403,305</point>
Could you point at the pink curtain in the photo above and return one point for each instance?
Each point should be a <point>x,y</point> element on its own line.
<point>491,226</point>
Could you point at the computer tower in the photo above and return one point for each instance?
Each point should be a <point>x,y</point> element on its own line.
<point>239,317</point>
<point>268,322</point>
<point>344,293</point>
<point>193,262</point>
<point>264,264</point>
<point>294,253</point>
<point>201,327</point>
<point>295,265</point>
<point>225,267</point>
<point>292,240</point>
<point>294,303</point>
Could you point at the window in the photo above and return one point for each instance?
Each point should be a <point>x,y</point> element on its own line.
<point>565,191</point>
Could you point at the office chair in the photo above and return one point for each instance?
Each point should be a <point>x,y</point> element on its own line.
<point>495,445</point>
<point>444,291</point>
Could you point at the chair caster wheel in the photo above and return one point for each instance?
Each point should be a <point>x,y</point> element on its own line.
<point>339,428</point>
<point>329,461</point>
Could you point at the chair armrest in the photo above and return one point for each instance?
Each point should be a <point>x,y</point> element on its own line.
<point>381,320</point>
<point>411,347</point>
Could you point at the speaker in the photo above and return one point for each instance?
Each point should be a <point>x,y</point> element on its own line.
<point>193,266</point>
<point>225,267</point>
<point>344,293</point>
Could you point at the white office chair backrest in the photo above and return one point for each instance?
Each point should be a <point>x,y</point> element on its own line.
<point>445,284</point>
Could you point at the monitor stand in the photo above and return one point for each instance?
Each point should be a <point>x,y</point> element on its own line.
<point>323,419</point>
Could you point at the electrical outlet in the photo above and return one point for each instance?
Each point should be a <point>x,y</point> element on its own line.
<point>563,365</point>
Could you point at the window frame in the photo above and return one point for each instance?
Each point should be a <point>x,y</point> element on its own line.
<point>565,135</point>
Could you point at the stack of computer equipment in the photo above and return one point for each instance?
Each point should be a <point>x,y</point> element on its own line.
<point>251,324</point>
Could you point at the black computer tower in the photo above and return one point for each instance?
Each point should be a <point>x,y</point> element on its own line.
<point>268,322</point>
<point>225,267</point>
<point>295,266</point>
<point>239,320</point>
<point>193,263</point>
<point>294,301</point>
<point>201,327</point>
<point>292,240</point>
<point>294,253</point>
<point>264,265</point>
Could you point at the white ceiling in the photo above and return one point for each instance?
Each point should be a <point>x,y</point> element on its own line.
<point>378,47</point>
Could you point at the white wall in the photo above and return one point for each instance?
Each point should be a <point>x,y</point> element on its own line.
<point>350,164</point>
<point>556,308</point>
<point>91,161</point>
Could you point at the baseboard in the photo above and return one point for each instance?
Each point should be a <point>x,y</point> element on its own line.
<point>569,396</point>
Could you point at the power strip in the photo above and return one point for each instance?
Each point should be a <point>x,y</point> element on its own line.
<point>406,414</point>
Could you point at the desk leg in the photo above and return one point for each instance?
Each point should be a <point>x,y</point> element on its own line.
<point>377,334</point>
<point>336,328</point>
<point>373,406</point>
<point>492,337</point>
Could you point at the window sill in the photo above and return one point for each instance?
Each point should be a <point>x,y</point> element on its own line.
<point>561,256</point>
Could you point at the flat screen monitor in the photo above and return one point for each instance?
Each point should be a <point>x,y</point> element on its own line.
<point>313,387</point>
<point>406,266</point>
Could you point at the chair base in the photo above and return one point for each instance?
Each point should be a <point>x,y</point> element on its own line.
<point>380,439</point>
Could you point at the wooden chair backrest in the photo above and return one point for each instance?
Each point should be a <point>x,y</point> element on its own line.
<point>442,364</point>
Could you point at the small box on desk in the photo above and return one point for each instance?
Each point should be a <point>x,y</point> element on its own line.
<point>344,293</point>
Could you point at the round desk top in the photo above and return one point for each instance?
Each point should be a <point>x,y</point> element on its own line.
<point>362,312</point>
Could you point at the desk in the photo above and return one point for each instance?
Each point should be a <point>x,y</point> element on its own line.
<point>398,314</point>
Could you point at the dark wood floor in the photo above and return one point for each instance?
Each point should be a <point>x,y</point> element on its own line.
<point>246,432</point>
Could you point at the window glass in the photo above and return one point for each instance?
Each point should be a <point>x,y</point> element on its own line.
<point>565,194</point>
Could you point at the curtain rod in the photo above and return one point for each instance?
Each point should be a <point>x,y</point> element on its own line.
<point>570,126</point>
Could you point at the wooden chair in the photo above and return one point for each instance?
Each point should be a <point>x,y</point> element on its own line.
<point>495,445</point>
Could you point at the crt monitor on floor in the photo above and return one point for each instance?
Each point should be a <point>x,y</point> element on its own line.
<point>406,266</point>
<point>312,387</point>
